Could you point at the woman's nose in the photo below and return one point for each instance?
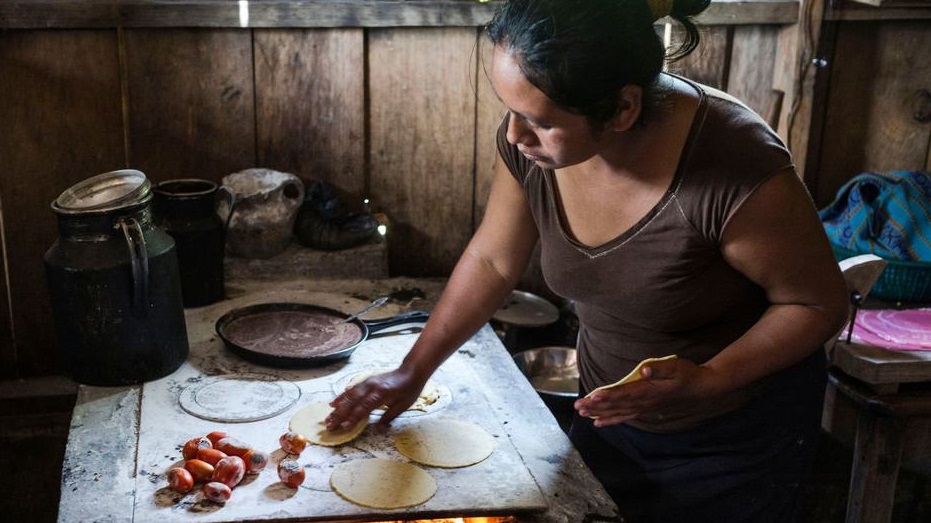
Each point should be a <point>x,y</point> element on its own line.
<point>517,132</point>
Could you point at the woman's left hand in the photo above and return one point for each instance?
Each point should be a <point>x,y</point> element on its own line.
<point>665,385</point>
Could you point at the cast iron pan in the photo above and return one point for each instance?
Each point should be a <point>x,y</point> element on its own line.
<point>295,335</point>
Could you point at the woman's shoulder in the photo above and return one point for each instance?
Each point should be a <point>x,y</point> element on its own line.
<point>732,151</point>
<point>726,130</point>
<point>729,114</point>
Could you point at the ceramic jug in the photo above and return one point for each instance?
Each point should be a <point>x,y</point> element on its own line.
<point>186,210</point>
<point>114,284</point>
<point>267,202</point>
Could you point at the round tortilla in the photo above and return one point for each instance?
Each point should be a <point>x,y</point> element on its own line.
<point>446,443</point>
<point>308,422</point>
<point>382,483</point>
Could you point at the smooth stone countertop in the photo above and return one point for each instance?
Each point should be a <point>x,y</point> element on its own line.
<point>122,440</point>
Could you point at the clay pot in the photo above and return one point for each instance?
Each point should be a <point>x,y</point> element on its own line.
<point>267,202</point>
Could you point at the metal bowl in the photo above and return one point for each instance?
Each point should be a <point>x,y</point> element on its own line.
<point>553,373</point>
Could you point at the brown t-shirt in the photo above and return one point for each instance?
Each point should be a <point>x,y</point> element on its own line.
<point>663,287</point>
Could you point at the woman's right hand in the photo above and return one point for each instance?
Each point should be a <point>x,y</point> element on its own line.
<point>397,390</point>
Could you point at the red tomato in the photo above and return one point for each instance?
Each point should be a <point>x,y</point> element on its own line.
<point>230,471</point>
<point>232,446</point>
<point>291,473</point>
<point>255,461</point>
<point>201,471</point>
<point>193,445</point>
<point>180,480</point>
<point>292,442</point>
<point>211,456</point>
<point>216,491</point>
<point>216,436</point>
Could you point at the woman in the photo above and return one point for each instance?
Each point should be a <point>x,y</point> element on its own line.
<point>673,217</point>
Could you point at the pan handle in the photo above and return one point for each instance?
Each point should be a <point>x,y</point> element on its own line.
<point>399,319</point>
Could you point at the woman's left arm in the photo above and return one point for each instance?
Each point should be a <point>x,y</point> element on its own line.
<point>776,239</point>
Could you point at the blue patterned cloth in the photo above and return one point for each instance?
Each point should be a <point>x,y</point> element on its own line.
<point>887,214</point>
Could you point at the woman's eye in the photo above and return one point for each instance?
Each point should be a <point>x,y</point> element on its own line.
<point>537,125</point>
<point>531,123</point>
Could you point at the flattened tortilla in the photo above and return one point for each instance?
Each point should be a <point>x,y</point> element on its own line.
<point>308,422</point>
<point>634,375</point>
<point>447,443</point>
<point>382,483</point>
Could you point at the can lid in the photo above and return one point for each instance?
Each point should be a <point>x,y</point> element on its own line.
<point>109,190</point>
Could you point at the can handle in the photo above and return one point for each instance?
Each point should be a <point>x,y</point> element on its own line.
<point>139,258</point>
<point>231,201</point>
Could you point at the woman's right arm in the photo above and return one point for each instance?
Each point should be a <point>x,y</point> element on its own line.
<point>487,271</point>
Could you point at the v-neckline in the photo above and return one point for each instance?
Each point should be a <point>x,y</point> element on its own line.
<point>594,251</point>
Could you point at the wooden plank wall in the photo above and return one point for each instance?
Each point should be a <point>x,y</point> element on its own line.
<point>62,120</point>
<point>403,116</point>
<point>878,103</point>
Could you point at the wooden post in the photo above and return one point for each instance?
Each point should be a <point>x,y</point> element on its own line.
<point>876,459</point>
<point>797,63</point>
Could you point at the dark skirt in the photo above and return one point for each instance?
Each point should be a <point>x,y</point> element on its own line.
<point>750,465</point>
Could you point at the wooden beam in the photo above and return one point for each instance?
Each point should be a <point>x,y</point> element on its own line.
<point>48,14</point>
<point>850,12</point>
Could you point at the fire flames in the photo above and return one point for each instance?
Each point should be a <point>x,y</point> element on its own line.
<point>505,519</point>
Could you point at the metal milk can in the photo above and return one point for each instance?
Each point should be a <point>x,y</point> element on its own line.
<point>114,284</point>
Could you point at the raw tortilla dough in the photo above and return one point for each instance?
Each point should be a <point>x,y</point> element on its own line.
<point>427,397</point>
<point>308,422</point>
<point>447,443</point>
<point>382,483</point>
<point>634,375</point>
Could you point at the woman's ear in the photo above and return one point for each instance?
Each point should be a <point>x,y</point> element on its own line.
<point>629,105</point>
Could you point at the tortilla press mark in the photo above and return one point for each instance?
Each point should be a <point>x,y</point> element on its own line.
<point>257,397</point>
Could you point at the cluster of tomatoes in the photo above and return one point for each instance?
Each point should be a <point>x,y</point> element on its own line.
<point>219,462</point>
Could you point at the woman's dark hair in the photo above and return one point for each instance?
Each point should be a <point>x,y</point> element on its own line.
<point>580,53</point>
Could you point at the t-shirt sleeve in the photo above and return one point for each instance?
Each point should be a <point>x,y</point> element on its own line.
<point>734,154</point>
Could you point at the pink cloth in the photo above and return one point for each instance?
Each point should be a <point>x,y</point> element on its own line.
<point>908,329</point>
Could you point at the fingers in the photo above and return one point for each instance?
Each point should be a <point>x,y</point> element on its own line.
<point>621,404</point>
<point>612,420</point>
<point>393,412</point>
<point>350,407</point>
<point>359,401</point>
<point>659,389</point>
<point>664,370</point>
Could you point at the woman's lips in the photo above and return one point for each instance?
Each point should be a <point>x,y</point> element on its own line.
<point>532,157</point>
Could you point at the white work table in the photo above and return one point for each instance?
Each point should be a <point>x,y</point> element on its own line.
<point>123,440</point>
